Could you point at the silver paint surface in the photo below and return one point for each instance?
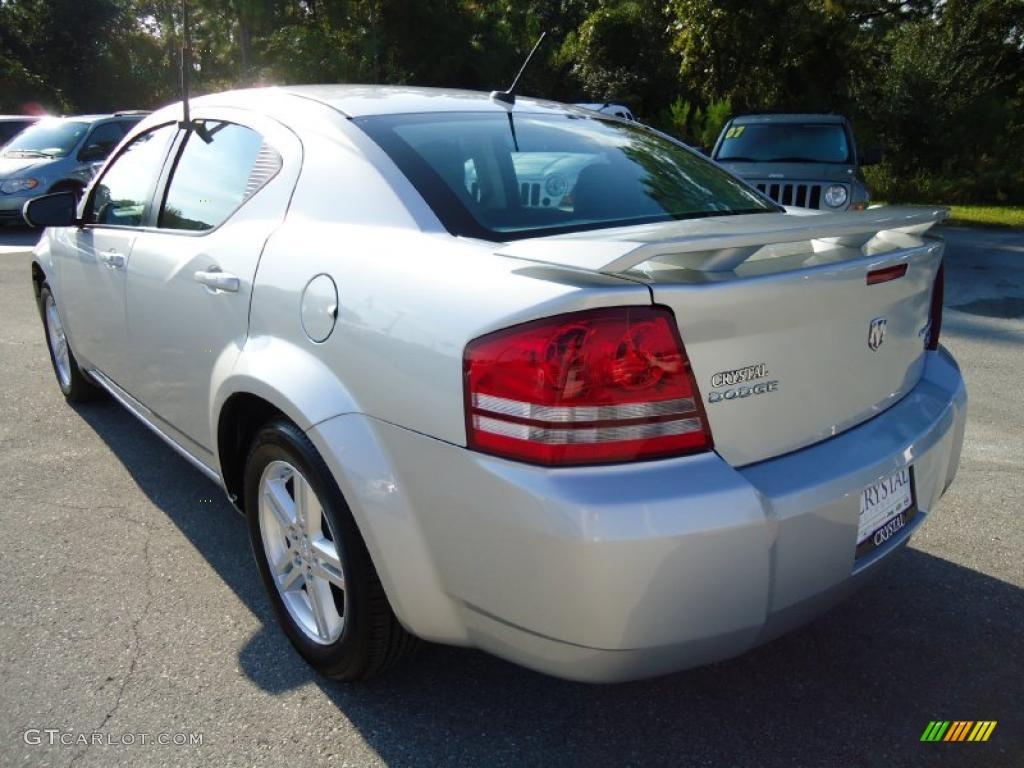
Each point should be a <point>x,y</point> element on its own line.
<point>595,573</point>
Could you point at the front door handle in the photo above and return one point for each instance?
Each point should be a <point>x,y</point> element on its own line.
<point>112,259</point>
<point>216,279</point>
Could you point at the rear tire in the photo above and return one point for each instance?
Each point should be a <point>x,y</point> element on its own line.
<point>313,561</point>
<point>74,383</point>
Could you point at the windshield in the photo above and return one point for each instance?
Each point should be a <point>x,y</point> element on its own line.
<point>502,176</point>
<point>50,138</point>
<point>785,143</point>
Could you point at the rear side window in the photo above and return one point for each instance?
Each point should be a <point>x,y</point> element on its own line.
<point>213,178</point>
<point>120,197</point>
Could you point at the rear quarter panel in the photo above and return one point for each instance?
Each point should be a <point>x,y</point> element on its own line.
<point>408,304</point>
<point>410,297</point>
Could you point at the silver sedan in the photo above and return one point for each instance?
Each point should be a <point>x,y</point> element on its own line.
<point>605,424</point>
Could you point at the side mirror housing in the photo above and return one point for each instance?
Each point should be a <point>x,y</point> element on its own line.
<point>871,156</point>
<point>93,152</point>
<point>59,209</point>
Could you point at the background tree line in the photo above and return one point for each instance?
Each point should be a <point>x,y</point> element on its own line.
<point>938,83</point>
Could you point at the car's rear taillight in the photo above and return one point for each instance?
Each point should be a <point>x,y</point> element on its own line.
<point>599,386</point>
<point>935,313</point>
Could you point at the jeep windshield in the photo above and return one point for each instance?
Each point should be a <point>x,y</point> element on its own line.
<point>785,143</point>
<point>50,138</point>
<point>501,177</point>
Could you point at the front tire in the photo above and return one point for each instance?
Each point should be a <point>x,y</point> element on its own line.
<point>74,383</point>
<point>313,562</point>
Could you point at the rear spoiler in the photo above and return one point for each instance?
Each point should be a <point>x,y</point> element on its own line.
<point>721,243</point>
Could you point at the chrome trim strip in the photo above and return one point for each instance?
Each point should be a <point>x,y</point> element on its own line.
<point>567,414</point>
<point>139,411</point>
<point>586,435</point>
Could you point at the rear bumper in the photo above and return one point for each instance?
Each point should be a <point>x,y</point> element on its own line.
<point>615,573</point>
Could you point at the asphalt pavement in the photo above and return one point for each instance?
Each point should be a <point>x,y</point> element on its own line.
<point>130,607</point>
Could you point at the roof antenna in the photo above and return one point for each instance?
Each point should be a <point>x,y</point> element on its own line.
<point>509,96</point>
<point>187,123</point>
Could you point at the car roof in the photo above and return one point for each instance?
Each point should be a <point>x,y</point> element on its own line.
<point>12,118</point>
<point>790,118</point>
<point>366,100</point>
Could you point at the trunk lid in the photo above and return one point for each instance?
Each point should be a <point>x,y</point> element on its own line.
<point>789,342</point>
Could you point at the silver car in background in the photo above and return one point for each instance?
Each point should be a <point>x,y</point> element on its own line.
<point>57,154</point>
<point>651,426</point>
<point>12,125</point>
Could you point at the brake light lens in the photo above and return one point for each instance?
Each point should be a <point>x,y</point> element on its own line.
<point>599,386</point>
<point>885,274</point>
<point>935,313</point>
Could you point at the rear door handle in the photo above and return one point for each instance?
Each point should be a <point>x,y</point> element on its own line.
<point>112,259</point>
<point>217,280</point>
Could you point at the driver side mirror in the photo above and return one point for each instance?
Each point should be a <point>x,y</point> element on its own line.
<point>870,156</point>
<point>57,210</point>
<point>92,152</point>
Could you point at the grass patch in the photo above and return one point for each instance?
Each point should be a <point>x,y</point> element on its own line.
<point>975,215</point>
<point>986,215</point>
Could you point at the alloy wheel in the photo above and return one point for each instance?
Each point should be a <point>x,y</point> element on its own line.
<point>302,552</point>
<point>58,343</point>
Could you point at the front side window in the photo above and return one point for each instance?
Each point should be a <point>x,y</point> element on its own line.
<point>101,141</point>
<point>785,143</point>
<point>121,196</point>
<point>502,177</point>
<point>47,138</point>
<point>213,178</point>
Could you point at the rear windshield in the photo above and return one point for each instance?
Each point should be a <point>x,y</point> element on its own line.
<point>785,143</point>
<point>503,177</point>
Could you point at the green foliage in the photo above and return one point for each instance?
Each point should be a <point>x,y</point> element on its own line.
<point>938,83</point>
<point>25,91</point>
<point>764,55</point>
<point>618,55</point>
<point>696,126</point>
<point>952,95</point>
<point>989,216</point>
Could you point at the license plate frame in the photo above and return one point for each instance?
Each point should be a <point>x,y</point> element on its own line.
<point>881,532</point>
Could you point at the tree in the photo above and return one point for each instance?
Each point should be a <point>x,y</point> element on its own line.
<point>770,55</point>
<point>618,54</point>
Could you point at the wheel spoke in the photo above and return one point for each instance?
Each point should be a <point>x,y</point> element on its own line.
<point>327,564</point>
<point>308,506</point>
<point>288,581</point>
<point>286,559</point>
<point>281,503</point>
<point>314,590</point>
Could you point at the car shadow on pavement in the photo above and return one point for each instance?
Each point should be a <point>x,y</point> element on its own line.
<point>927,640</point>
<point>984,293</point>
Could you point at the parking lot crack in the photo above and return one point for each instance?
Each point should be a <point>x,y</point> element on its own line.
<point>136,647</point>
<point>118,510</point>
